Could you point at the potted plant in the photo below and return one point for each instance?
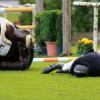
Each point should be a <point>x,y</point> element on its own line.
<point>50,32</point>
<point>46,30</point>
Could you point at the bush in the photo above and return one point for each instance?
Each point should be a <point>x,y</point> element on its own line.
<point>84,45</point>
<point>49,26</point>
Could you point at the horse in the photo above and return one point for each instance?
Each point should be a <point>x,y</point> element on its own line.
<point>16,47</point>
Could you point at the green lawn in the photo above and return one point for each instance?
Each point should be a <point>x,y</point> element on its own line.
<point>32,85</point>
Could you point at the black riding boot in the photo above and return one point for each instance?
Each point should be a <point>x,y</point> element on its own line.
<point>61,71</point>
<point>52,68</point>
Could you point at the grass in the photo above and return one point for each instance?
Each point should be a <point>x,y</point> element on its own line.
<point>32,85</point>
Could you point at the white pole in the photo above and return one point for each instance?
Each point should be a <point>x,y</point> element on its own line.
<point>88,4</point>
<point>95,28</point>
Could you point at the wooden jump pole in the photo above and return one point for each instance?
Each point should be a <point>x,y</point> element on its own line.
<point>95,22</point>
<point>26,26</point>
<point>19,9</point>
<point>16,9</point>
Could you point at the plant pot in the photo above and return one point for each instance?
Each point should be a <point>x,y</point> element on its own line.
<point>51,48</point>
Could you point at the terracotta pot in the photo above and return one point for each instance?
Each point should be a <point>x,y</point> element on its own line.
<point>51,48</point>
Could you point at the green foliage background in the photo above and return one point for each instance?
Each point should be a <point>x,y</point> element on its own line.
<point>26,18</point>
<point>82,17</point>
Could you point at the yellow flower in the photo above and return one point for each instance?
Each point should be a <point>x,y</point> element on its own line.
<point>87,42</point>
<point>90,41</point>
<point>84,40</point>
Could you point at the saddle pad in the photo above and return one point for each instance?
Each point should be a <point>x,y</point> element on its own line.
<point>4,48</point>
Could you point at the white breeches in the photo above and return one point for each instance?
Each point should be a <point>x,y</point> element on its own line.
<point>67,66</point>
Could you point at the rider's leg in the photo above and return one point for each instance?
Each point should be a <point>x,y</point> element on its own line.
<point>66,68</point>
<point>52,68</point>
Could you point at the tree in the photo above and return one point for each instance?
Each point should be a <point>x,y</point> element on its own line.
<point>40,5</point>
<point>66,8</point>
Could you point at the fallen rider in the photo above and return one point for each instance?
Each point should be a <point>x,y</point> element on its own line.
<point>87,65</point>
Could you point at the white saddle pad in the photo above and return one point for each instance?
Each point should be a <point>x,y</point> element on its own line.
<point>4,48</point>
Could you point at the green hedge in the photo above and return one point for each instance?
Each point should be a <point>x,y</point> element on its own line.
<point>49,26</point>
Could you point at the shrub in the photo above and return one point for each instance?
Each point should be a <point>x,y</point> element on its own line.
<point>84,46</point>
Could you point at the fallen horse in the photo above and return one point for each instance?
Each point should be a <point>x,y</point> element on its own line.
<point>87,65</point>
<point>16,49</point>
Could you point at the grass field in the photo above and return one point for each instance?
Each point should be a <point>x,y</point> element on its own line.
<point>32,85</point>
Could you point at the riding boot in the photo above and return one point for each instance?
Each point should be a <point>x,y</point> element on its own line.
<point>52,68</point>
<point>61,71</point>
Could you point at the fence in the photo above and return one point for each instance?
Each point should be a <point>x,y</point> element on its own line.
<point>31,8</point>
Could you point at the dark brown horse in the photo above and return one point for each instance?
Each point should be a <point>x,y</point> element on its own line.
<point>20,52</point>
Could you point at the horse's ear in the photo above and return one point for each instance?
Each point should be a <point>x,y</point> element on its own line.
<point>9,34</point>
<point>10,29</point>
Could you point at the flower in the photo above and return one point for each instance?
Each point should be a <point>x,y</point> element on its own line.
<point>90,41</point>
<point>84,40</point>
<point>84,45</point>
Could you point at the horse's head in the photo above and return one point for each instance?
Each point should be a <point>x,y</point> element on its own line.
<point>19,37</point>
<point>16,35</point>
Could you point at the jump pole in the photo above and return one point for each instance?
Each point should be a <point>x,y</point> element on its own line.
<point>56,59</point>
<point>26,26</point>
<point>95,22</point>
<point>16,9</point>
